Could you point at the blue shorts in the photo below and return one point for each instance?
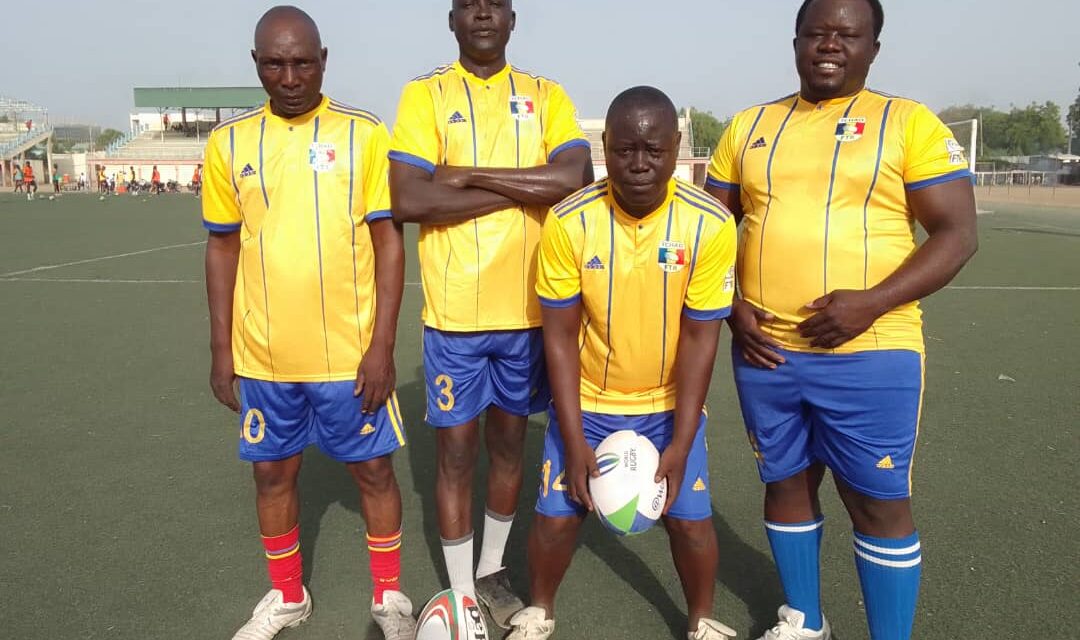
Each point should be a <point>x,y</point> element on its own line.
<point>280,419</point>
<point>466,373</point>
<point>694,501</point>
<point>857,413</point>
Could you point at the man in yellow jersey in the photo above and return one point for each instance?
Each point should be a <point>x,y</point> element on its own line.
<point>828,351</point>
<point>636,274</point>
<point>304,276</point>
<point>480,151</point>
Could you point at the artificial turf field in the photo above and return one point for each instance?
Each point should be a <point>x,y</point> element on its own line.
<point>124,512</point>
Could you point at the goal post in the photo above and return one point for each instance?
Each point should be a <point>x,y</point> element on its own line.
<point>967,132</point>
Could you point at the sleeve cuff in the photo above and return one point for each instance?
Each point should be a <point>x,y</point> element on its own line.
<point>577,142</point>
<point>719,184</point>
<point>218,227</point>
<point>707,316</point>
<point>381,214</point>
<point>556,303</point>
<point>410,159</point>
<point>948,177</point>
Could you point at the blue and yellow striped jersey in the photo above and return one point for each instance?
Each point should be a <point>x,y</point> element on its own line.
<point>479,275</point>
<point>635,279</point>
<point>824,191</point>
<point>300,192</point>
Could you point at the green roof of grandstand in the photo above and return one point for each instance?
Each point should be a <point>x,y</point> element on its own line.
<point>198,97</point>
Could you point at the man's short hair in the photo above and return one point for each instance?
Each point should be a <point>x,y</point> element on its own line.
<point>875,7</point>
<point>645,97</point>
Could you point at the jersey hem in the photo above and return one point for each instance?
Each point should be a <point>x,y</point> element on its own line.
<point>719,184</point>
<point>475,329</point>
<point>576,142</point>
<point>410,159</point>
<point>295,378</point>
<point>218,227</point>
<point>929,182</point>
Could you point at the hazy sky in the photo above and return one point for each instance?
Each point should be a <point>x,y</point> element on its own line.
<point>81,59</point>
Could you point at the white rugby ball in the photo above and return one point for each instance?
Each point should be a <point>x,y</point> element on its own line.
<point>626,498</point>
<point>451,615</point>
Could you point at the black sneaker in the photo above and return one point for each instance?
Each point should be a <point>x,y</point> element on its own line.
<point>494,592</point>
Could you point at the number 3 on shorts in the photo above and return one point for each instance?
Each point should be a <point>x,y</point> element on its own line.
<point>446,392</point>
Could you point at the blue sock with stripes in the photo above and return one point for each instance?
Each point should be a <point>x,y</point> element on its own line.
<point>796,550</point>
<point>889,572</point>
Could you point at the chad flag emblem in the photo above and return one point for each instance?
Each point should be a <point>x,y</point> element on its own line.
<point>521,107</point>
<point>850,129</point>
<point>672,258</point>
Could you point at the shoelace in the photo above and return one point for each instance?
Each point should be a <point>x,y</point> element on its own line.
<point>782,631</point>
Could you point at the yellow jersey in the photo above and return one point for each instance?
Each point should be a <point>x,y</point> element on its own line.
<point>300,192</point>
<point>635,279</point>
<point>479,275</point>
<point>824,189</point>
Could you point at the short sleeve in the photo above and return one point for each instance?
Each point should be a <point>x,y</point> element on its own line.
<point>220,204</point>
<point>931,153</point>
<point>376,176</point>
<point>561,128</point>
<point>712,279</point>
<point>416,134</point>
<point>723,168</point>
<point>558,278</point>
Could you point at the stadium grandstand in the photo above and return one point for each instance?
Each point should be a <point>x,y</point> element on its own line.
<point>692,163</point>
<point>24,127</point>
<point>168,129</point>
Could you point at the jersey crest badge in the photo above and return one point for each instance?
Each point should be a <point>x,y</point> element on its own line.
<point>322,156</point>
<point>850,129</point>
<point>521,107</point>
<point>672,257</point>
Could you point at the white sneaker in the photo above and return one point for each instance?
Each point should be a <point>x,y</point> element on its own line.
<point>790,627</point>
<point>531,624</point>
<point>272,615</point>
<point>394,616</point>
<point>711,630</point>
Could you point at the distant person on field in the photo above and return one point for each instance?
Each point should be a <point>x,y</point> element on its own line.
<point>133,184</point>
<point>155,180</point>
<point>303,316</point>
<point>828,353</point>
<point>196,181</point>
<point>17,168</point>
<point>56,179</point>
<point>29,182</point>
<point>82,181</point>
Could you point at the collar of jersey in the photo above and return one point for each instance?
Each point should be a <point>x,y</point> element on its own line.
<point>626,218</point>
<point>829,104</point>
<point>298,120</point>
<point>465,73</point>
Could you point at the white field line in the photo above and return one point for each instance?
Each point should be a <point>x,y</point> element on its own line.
<point>49,267</point>
<point>1010,288</point>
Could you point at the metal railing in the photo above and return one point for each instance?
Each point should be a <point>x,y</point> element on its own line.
<point>9,147</point>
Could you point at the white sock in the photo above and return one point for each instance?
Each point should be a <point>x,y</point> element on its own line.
<point>458,555</point>
<point>496,531</point>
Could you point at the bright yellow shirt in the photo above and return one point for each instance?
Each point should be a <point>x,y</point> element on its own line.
<point>300,192</point>
<point>824,191</point>
<point>479,275</point>
<point>636,280</point>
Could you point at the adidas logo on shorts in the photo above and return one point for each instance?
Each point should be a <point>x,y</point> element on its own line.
<point>885,463</point>
<point>367,430</point>
<point>699,485</point>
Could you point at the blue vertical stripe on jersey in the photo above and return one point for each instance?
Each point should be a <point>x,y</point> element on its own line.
<point>828,206</point>
<point>768,202</point>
